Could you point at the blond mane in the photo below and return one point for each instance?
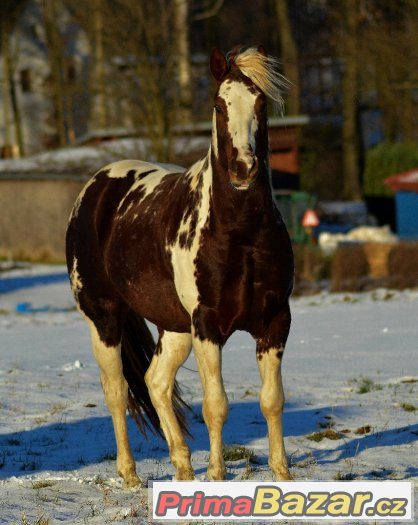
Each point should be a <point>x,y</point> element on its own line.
<point>264,72</point>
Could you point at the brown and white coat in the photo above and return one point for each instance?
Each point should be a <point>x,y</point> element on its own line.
<point>200,253</point>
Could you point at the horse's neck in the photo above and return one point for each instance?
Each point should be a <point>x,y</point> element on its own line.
<point>239,206</point>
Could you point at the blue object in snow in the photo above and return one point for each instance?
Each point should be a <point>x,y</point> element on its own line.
<point>27,308</point>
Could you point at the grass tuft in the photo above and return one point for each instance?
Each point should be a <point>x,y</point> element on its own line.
<point>42,484</point>
<point>365,385</point>
<point>328,433</point>
<point>237,452</point>
<point>408,407</point>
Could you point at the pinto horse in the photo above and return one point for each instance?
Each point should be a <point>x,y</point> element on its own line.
<point>199,253</point>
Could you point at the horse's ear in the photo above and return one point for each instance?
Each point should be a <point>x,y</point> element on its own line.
<point>218,64</point>
<point>261,49</point>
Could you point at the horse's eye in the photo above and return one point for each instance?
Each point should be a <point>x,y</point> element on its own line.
<point>218,109</point>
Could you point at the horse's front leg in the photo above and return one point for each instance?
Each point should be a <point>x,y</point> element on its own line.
<point>270,349</point>
<point>215,402</point>
<point>174,348</point>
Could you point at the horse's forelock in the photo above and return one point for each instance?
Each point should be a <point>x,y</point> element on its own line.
<point>263,71</point>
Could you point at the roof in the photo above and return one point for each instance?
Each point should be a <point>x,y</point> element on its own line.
<point>407,181</point>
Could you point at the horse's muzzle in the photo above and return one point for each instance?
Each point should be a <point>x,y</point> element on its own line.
<point>242,177</point>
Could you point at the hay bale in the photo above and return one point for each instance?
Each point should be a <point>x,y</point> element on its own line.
<point>350,269</point>
<point>403,266</point>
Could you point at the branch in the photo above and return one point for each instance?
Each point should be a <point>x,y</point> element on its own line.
<point>211,11</point>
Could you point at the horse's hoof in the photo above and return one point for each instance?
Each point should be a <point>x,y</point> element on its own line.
<point>184,475</point>
<point>216,475</point>
<point>283,475</point>
<point>132,481</point>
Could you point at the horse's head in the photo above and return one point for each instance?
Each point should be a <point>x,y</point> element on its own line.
<point>239,134</point>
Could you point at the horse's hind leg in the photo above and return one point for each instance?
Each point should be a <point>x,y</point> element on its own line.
<point>115,389</point>
<point>269,357</point>
<point>173,350</point>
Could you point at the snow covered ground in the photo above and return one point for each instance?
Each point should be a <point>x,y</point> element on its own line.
<point>351,366</point>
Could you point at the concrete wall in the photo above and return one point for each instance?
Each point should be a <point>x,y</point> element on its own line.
<point>34,216</point>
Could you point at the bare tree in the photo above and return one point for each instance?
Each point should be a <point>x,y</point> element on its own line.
<point>289,56</point>
<point>55,54</point>
<point>100,110</point>
<point>9,14</point>
<point>351,186</point>
<point>181,28</point>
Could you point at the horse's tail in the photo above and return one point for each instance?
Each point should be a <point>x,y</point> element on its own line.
<point>138,347</point>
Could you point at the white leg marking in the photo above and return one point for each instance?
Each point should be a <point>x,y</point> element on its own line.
<point>115,389</point>
<point>215,402</point>
<point>160,377</point>
<point>271,402</point>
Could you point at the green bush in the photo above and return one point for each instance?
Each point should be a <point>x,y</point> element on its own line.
<point>385,160</point>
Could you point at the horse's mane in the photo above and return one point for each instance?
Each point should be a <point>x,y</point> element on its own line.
<point>263,71</point>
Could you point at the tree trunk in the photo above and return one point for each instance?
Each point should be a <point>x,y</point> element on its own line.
<point>54,46</point>
<point>351,186</point>
<point>17,119</point>
<point>289,56</point>
<point>183,58</point>
<point>100,114</point>
<point>6,92</point>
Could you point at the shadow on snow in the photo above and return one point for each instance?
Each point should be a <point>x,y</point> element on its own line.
<point>11,284</point>
<point>67,446</point>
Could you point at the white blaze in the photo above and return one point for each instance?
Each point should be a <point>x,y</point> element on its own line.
<point>242,122</point>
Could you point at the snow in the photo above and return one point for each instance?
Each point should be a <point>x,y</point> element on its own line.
<point>379,234</point>
<point>56,438</point>
<point>81,158</point>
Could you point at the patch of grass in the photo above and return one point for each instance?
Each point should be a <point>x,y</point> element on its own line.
<point>3,311</point>
<point>366,429</point>
<point>42,484</point>
<point>328,434</point>
<point>366,385</point>
<point>56,408</point>
<point>408,407</point>
<point>237,452</point>
<point>248,472</point>
<point>39,420</point>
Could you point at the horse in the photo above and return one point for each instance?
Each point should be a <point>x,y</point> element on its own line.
<point>200,253</point>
